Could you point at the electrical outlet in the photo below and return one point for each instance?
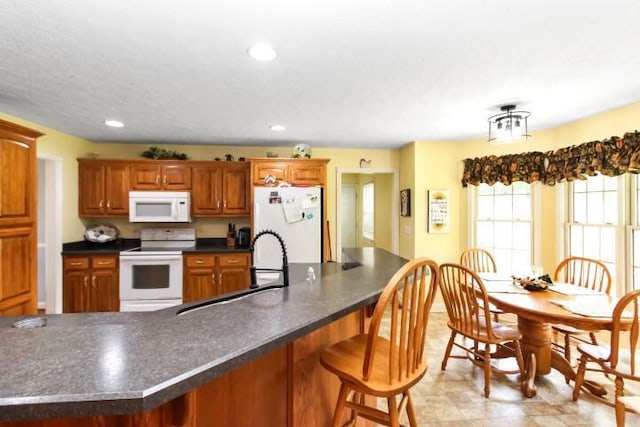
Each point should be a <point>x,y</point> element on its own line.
<point>407,229</point>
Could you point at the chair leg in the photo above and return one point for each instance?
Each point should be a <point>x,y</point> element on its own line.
<point>487,371</point>
<point>567,353</point>
<point>582,367</point>
<point>519,357</point>
<point>447,351</point>
<point>340,405</point>
<point>620,415</point>
<point>411,414</point>
<point>393,412</point>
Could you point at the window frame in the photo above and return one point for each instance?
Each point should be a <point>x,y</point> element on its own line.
<point>622,275</point>
<point>536,220</point>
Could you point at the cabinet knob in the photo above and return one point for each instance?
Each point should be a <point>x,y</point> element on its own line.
<point>233,261</point>
<point>219,278</point>
<point>86,281</point>
<point>213,279</point>
<point>199,261</point>
<point>103,262</point>
<point>75,263</point>
<point>93,281</point>
<point>108,204</point>
<point>157,179</point>
<point>100,204</point>
<point>164,180</point>
<point>218,204</point>
<point>225,204</point>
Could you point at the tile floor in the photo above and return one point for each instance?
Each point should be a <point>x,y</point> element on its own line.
<point>455,397</point>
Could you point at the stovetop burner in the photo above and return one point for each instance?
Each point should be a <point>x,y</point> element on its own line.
<point>164,241</point>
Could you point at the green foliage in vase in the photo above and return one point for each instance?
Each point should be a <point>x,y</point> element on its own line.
<point>162,154</point>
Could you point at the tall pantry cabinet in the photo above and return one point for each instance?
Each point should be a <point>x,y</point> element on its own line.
<point>18,217</point>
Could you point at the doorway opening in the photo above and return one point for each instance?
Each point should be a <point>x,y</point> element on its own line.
<point>49,200</point>
<point>349,232</point>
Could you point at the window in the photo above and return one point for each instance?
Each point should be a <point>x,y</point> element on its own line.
<point>368,203</point>
<point>593,219</point>
<point>503,224</point>
<point>596,222</point>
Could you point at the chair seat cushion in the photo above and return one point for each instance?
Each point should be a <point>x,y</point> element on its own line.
<point>501,332</point>
<point>346,359</point>
<point>597,352</point>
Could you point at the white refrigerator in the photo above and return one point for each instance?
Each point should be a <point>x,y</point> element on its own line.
<point>295,213</point>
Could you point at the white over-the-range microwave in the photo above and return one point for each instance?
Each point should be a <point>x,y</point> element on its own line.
<point>159,206</point>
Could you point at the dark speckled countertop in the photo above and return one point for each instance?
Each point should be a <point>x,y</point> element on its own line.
<point>83,247</point>
<point>124,363</point>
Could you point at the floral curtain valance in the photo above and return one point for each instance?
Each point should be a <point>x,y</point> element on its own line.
<point>611,157</point>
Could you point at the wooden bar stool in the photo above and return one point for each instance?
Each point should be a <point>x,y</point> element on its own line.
<point>382,363</point>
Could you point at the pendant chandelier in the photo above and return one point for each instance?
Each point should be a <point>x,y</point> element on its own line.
<point>508,126</point>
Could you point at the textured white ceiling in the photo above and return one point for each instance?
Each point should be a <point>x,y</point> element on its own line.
<point>349,73</point>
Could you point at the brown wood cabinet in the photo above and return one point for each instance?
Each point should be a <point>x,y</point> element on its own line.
<point>18,258</point>
<point>293,171</point>
<point>103,188</point>
<point>207,275</point>
<point>90,283</point>
<point>220,189</point>
<point>160,175</point>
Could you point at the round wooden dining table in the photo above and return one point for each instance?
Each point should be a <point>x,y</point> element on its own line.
<point>536,313</point>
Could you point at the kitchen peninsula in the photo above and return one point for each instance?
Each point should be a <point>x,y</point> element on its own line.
<point>250,361</point>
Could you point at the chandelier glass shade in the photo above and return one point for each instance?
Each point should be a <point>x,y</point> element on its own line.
<point>508,126</point>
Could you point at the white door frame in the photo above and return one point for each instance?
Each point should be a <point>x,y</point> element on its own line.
<point>395,204</point>
<point>53,237</point>
<point>354,187</point>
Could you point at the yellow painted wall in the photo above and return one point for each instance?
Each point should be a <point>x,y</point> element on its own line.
<point>439,165</point>
<point>383,199</point>
<point>407,179</point>
<point>423,165</point>
<point>67,148</point>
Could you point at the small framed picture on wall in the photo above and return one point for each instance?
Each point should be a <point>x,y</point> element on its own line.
<point>438,211</point>
<point>405,202</point>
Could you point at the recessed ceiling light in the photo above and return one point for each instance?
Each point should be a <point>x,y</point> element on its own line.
<point>277,128</point>
<point>262,52</point>
<point>114,123</point>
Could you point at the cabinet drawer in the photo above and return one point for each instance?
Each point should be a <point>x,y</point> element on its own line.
<point>235,260</point>
<point>200,261</point>
<point>104,262</point>
<point>76,263</point>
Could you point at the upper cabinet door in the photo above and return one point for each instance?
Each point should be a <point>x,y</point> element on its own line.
<point>146,176</point>
<point>91,188</point>
<point>103,188</point>
<point>117,189</point>
<point>206,196</point>
<point>235,190</point>
<point>17,174</point>
<point>160,176</point>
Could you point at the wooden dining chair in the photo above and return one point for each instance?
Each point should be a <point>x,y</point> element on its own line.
<point>619,360</point>
<point>481,261</point>
<point>465,298</point>
<point>386,363</point>
<point>588,273</point>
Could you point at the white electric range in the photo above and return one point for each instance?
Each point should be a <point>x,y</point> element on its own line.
<point>151,275</point>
